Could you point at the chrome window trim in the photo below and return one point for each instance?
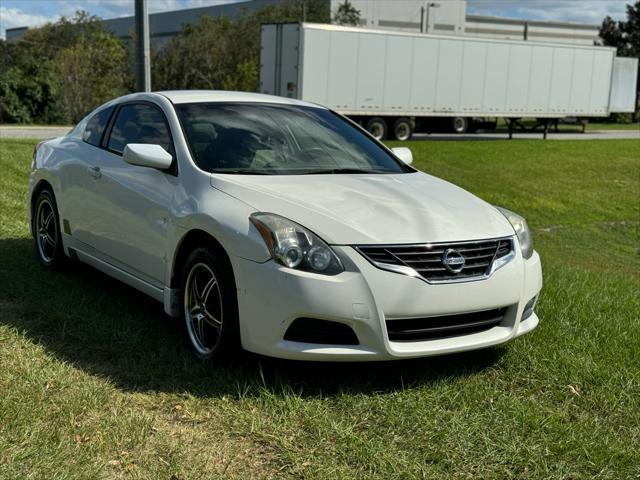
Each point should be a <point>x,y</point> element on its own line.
<point>495,264</point>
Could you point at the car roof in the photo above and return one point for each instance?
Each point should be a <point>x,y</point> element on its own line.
<point>205,96</point>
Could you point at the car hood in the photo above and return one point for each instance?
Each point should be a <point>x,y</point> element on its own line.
<point>371,209</point>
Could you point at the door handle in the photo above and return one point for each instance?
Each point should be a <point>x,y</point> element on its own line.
<point>95,172</point>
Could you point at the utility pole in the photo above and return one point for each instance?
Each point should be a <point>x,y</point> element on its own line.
<point>143,64</point>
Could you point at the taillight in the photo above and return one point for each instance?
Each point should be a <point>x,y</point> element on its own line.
<point>35,152</point>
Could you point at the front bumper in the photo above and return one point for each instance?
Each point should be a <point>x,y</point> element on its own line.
<point>271,297</point>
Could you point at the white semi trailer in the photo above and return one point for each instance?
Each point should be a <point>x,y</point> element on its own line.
<point>395,83</point>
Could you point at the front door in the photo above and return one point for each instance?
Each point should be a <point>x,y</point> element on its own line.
<point>133,207</point>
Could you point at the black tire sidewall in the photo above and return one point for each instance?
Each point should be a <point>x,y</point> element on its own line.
<point>58,255</point>
<point>398,123</point>
<point>229,337</point>
<point>379,120</point>
<point>466,125</point>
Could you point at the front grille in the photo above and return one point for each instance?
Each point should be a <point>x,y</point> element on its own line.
<point>430,328</point>
<point>428,259</point>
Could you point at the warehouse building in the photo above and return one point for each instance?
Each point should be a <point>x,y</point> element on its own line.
<point>449,17</point>
<point>445,17</point>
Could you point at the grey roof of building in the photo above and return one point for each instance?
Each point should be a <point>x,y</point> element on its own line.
<point>531,23</point>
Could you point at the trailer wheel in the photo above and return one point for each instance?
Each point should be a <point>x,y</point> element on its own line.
<point>402,129</point>
<point>460,124</point>
<point>377,127</point>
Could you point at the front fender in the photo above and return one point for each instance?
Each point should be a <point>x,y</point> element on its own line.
<point>227,220</point>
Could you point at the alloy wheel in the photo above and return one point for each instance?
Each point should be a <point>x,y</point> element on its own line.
<point>46,231</point>
<point>203,309</point>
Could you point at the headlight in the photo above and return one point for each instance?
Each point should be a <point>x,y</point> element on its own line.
<point>294,246</point>
<point>519,224</point>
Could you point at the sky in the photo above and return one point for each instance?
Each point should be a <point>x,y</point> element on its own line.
<point>19,13</point>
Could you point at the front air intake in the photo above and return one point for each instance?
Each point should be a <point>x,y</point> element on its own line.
<point>431,328</point>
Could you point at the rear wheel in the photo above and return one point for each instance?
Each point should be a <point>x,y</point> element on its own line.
<point>210,305</point>
<point>460,124</point>
<point>402,129</point>
<point>377,127</point>
<point>46,230</point>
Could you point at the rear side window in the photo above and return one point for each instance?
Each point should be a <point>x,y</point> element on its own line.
<point>139,123</point>
<point>95,127</point>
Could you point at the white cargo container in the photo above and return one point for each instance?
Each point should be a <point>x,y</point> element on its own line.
<point>393,82</point>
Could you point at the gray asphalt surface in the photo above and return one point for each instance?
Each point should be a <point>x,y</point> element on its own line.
<point>42,133</point>
<point>594,135</point>
<point>39,133</point>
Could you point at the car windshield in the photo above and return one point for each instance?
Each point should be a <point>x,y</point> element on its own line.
<point>267,139</point>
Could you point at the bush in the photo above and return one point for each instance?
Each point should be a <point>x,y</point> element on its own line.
<point>90,73</point>
<point>222,53</point>
<point>59,72</point>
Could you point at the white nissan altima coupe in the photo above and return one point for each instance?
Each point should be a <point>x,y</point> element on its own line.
<point>282,227</point>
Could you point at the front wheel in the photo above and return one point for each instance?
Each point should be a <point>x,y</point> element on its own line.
<point>46,230</point>
<point>210,305</point>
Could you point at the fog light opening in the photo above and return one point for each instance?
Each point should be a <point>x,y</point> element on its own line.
<point>528,308</point>
<point>313,330</point>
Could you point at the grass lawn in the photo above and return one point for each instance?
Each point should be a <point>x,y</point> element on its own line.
<point>611,126</point>
<point>95,382</point>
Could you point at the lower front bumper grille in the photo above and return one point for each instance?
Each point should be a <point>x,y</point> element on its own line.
<point>430,328</point>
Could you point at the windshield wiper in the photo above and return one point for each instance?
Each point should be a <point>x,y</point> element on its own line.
<point>240,171</point>
<point>342,170</point>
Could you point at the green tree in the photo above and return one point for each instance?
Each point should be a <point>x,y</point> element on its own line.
<point>625,37</point>
<point>611,34</point>
<point>89,73</point>
<point>27,90</point>
<point>202,56</point>
<point>223,53</point>
<point>347,14</point>
<point>31,87</point>
<point>631,29</point>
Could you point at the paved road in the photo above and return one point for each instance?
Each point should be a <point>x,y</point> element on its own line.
<point>595,135</point>
<point>39,133</point>
<point>50,132</point>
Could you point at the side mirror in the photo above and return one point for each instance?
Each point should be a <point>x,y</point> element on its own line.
<point>404,154</point>
<point>147,155</point>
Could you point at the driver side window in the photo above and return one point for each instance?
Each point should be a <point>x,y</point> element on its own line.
<point>139,123</point>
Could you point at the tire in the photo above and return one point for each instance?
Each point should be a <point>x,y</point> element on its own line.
<point>210,305</point>
<point>460,124</point>
<point>46,230</point>
<point>377,127</point>
<point>402,129</point>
